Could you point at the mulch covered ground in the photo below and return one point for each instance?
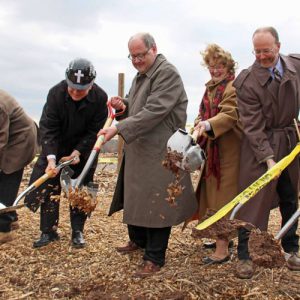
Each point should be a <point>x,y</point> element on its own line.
<point>58,271</point>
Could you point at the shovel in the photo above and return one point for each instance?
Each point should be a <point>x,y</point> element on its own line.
<point>32,187</point>
<point>67,183</point>
<point>185,144</point>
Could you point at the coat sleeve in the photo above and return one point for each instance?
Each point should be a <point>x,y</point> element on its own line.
<point>50,125</point>
<point>227,117</point>
<point>252,118</point>
<point>4,130</point>
<point>94,125</point>
<point>166,89</point>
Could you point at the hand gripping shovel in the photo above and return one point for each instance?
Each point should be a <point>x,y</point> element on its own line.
<point>185,145</point>
<point>33,186</point>
<point>69,184</point>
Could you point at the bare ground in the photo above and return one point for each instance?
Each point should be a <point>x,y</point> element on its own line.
<point>98,272</point>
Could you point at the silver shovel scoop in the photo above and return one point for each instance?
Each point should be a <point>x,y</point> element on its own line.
<point>68,184</point>
<point>185,144</point>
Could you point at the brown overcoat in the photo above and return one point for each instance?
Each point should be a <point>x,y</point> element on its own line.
<point>18,135</point>
<point>226,130</point>
<point>157,105</point>
<point>267,110</point>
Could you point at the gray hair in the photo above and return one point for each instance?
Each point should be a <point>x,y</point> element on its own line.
<point>269,29</point>
<point>146,37</point>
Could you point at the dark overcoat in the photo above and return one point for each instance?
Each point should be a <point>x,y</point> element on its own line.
<point>267,109</point>
<point>157,105</point>
<point>67,125</point>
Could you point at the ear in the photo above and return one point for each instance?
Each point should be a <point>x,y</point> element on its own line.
<point>154,48</point>
<point>278,45</point>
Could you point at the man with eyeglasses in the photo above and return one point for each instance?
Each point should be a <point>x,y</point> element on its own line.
<point>268,100</point>
<point>155,108</point>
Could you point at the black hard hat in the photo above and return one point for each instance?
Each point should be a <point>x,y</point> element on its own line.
<point>80,74</point>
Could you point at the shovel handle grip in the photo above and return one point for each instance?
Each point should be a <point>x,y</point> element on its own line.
<point>100,139</point>
<point>195,134</point>
<point>43,178</point>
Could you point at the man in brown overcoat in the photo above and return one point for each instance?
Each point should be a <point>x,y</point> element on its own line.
<point>18,146</point>
<point>268,101</point>
<point>156,107</point>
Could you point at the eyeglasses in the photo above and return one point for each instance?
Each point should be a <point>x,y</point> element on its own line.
<point>140,56</point>
<point>217,67</point>
<point>263,51</point>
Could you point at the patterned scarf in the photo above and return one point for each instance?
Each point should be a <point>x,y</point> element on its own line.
<point>208,110</point>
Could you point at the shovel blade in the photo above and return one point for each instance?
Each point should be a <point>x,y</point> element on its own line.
<point>193,158</point>
<point>66,182</point>
<point>183,143</point>
<point>92,189</point>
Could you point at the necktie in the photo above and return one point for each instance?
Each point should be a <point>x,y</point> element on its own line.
<point>277,74</point>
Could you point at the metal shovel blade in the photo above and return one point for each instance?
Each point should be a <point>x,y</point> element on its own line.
<point>67,184</point>
<point>192,154</point>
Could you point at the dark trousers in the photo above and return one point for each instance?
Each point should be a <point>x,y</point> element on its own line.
<point>153,240</point>
<point>50,208</point>
<point>9,186</point>
<point>288,205</point>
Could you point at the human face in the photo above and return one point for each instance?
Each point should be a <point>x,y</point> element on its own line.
<point>142,58</point>
<point>78,95</point>
<point>266,49</point>
<point>217,70</point>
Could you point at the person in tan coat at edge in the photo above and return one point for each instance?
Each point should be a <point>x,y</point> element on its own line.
<point>18,146</point>
<point>268,96</point>
<point>220,136</point>
<point>155,109</point>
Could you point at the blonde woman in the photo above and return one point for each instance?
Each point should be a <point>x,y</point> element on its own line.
<point>219,135</point>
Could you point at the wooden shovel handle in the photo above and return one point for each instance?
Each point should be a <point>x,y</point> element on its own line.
<point>100,138</point>
<point>43,178</point>
<point>195,134</point>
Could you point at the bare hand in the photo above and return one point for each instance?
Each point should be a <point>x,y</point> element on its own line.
<point>108,133</point>
<point>117,103</point>
<point>270,163</point>
<point>201,128</point>
<point>74,155</point>
<point>51,168</point>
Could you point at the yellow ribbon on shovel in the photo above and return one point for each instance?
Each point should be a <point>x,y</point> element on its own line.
<point>252,190</point>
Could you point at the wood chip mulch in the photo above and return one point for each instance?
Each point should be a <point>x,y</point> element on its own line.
<point>58,271</point>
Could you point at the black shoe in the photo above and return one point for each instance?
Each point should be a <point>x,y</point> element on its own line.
<point>45,239</point>
<point>77,239</point>
<point>213,245</point>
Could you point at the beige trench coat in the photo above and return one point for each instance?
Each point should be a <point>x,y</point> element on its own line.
<point>157,105</point>
<point>226,129</point>
<point>18,135</point>
<point>267,110</point>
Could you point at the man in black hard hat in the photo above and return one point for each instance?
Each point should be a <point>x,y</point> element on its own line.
<point>73,114</point>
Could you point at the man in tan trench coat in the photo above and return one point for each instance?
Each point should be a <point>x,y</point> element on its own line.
<point>18,145</point>
<point>268,101</point>
<point>156,107</point>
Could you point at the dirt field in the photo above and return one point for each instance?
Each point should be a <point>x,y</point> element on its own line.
<point>98,272</point>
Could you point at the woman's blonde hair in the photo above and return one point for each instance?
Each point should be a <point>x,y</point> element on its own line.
<point>215,52</point>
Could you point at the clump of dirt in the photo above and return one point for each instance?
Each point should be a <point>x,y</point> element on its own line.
<point>224,229</point>
<point>80,198</point>
<point>171,162</point>
<point>265,250</point>
<point>83,200</point>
